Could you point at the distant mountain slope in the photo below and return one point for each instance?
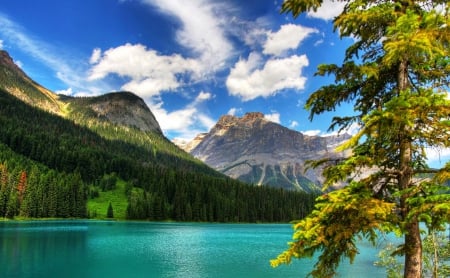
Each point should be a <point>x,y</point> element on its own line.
<point>62,157</point>
<point>261,152</point>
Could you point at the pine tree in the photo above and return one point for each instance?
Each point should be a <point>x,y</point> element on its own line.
<point>396,74</point>
<point>110,212</point>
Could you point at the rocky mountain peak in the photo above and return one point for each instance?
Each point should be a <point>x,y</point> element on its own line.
<point>228,121</point>
<point>122,108</point>
<point>5,59</point>
<point>7,62</point>
<point>252,116</point>
<point>258,151</point>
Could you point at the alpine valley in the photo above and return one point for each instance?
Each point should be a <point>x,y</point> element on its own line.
<point>106,157</point>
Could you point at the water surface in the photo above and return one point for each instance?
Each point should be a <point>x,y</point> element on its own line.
<point>147,249</point>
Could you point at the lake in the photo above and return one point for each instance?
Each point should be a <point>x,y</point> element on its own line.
<point>149,249</point>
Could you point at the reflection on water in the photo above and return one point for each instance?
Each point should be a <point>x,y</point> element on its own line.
<point>27,248</point>
<point>143,249</point>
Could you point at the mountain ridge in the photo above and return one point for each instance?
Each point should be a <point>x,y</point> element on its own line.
<point>16,82</point>
<point>72,157</point>
<point>121,108</point>
<point>256,150</point>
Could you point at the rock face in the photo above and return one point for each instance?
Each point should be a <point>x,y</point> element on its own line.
<point>261,152</point>
<point>121,108</point>
<point>188,146</point>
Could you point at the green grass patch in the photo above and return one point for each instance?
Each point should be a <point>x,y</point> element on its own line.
<point>98,207</point>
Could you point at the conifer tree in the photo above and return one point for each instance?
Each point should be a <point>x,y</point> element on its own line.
<point>110,212</point>
<point>396,74</point>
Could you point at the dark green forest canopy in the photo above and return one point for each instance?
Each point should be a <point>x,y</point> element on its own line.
<point>51,166</point>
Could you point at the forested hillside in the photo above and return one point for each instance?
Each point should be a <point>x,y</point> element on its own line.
<point>52,167</point>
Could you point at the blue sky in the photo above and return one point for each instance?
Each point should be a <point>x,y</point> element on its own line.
<point>191,61</point>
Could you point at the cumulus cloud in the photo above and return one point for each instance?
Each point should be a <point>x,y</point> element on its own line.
<point>233,111</point>
<point>293,124</point>
<point>150,72</point>
<point>96,55</point>
<point>186,122</point>
<point>352,130</point>
<point>67,92</point>
<point>274,117</point>
<point>314,132</point>
<point>202,29</point>
<point>253,78</point>
<point>203,96</point>
<point>175,120</point>
<point>253,36</point>
<point>18,63</point>
<point>328,10</point>
<point>288,37</point>
<point>1,44</point>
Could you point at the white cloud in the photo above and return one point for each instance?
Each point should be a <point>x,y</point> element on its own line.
<point>206,121</point>
<point>233,111</point>
<point>175,120</point>
<point>252,78</point>
<point>315,132</point>
<point>95,57</point>
<point>149,87</point>
<point>319,42</point>
<point>67,92</point>
<point>18,63</point>
<point>203,96</point>
<point>253,36</point>
<point>328,10</point>
<point>186,122</point>
<point>352,130</point>
<point>149,71</point>
<point>202,29</point>
<point>293,124</point>
<point>1,44</point>
<point>288,37</point>
<point>274,117</point>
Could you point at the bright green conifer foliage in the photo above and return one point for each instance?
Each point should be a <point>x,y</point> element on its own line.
<point>396,74</point>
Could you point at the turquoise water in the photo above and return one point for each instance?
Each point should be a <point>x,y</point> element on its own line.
<point>146,249</point>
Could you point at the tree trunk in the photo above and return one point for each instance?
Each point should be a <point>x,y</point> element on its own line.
<point>413,248</point>
<point>413,242</point>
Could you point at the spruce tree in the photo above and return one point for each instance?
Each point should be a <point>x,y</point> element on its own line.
<point>396,75</point>
<point>110,212</point>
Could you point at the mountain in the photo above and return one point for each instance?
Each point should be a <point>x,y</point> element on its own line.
<point>121,108</point>
<point>62,156</point>
<point>262,152</point>
<point>14,81</point>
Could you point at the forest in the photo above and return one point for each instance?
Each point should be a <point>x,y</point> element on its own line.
<point>52,167</point>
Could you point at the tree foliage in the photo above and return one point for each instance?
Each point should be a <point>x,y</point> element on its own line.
<point>50,167</point>
<point>396,74</point>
